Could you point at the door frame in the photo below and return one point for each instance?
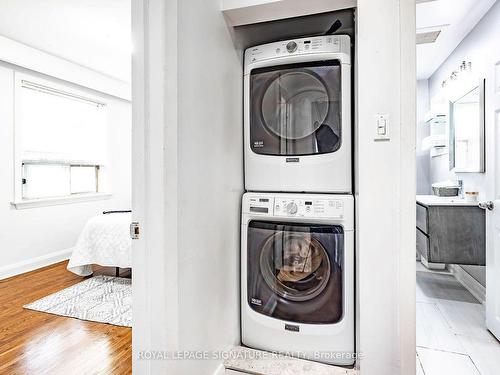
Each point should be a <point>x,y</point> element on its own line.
<point>154,266</point>
<point>385,173</point>
<point>492,160</point>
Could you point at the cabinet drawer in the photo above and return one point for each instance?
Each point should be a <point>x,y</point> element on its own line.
<point>422,244</point>
<point>422,218</point>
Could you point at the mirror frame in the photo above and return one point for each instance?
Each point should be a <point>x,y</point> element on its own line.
<point>482,130</point>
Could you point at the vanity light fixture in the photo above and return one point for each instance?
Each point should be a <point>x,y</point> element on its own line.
<point>465,67</point>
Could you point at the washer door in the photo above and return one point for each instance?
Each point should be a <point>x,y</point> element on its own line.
<point>295,271</point>
<point>295,109</point>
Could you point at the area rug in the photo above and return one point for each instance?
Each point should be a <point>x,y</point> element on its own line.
<point>103,299</point>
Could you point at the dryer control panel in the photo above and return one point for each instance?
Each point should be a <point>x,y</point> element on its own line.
<point>329,44</point>
<point>317,208</point>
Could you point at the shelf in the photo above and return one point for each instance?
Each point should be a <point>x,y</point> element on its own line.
<point>438,140</point>
<point>245,12</point>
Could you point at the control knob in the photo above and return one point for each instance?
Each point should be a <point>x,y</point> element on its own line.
<point>291,46</point>
<point>292,208</point>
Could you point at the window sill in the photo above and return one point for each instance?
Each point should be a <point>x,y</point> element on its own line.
<point>45,202</point>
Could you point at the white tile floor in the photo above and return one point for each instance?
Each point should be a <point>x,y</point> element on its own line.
<point>451,334</point>
<point>250,361</point>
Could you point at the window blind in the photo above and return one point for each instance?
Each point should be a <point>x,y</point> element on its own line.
<point>61,127</point>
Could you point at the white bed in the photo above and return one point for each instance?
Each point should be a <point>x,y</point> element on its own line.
<point>105,240</point>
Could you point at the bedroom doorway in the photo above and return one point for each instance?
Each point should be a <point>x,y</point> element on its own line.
<point>66,144</point>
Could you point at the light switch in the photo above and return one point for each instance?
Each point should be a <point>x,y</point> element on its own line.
<point>381,127</point>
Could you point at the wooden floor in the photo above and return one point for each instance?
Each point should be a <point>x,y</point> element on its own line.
<point>38,343</point>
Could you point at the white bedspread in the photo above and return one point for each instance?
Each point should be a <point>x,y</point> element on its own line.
<point>105,240</point>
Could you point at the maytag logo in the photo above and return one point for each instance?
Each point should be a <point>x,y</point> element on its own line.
<point>292,160</point>
<point>256,301</point>
<point>291,327</point>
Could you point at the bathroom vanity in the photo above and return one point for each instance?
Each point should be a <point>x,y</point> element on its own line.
<point>450,231</point>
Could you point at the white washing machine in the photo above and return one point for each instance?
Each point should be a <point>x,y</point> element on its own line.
<point>297,115</point>
<point>297,275</point>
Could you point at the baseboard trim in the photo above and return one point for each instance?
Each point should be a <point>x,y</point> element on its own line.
<point>432,266</point>
<point>34,263</point>
<point>471,284</point>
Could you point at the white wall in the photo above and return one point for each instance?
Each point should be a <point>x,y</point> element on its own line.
<point>423,130</point>
<point>187,90</point>
<point>385,196</point>
<point>210,180</point>
<point>475,48</point>
<point>90,33</point>
<point>27,57</point>
<point>37,236</point>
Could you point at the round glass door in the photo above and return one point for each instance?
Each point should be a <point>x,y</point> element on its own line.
<point>295,265</point>
<point>295,105</point>
<point>296,109</point>
<point>295,271</point>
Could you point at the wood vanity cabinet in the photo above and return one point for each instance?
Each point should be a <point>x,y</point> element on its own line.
<point>451,234</point>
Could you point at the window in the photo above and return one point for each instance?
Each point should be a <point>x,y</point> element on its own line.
<point>48,180</point>
<point>60,140</point>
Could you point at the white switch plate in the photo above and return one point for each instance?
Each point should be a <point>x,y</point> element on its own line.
<point>381,123</point>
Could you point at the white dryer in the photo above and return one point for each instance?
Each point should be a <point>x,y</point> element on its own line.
<point>297,115</point>
<point>297,275</point>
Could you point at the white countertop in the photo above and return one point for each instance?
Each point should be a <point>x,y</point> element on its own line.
<point>433,200</point>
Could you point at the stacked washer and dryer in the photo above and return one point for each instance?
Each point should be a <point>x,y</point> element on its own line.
<point>297,245</point>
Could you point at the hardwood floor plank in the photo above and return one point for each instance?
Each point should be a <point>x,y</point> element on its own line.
<point>33,342</point>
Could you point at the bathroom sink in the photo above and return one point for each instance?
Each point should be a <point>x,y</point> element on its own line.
<point>450,230</point>
<point>433,200</point>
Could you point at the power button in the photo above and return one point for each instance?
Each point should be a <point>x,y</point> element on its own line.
<point>291,46</point>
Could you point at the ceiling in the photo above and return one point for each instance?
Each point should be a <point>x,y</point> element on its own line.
<point>97,33</point>
<point>92,33</point>
<point>455,19</point>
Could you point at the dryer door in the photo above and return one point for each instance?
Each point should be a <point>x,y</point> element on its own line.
<point>296,109</point>
<point>295,271</point>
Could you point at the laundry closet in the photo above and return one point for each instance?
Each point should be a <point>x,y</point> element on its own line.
<point>284,216</point>
<point>297,233</point>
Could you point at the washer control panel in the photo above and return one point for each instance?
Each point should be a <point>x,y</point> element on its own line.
<point>291,46</point>
<point>299,207</point>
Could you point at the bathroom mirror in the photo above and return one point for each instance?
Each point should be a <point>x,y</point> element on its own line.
<point>467,131</point>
